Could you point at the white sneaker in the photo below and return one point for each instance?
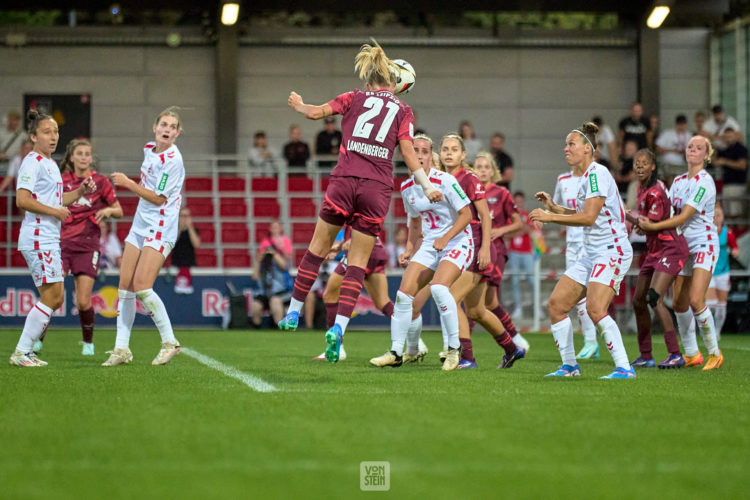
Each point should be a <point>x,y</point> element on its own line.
<point>422,347</point>
<point>118,357</point>
<point>322,357</point>
<point>88,348</point>
<point>20,358</point>
<point>390,358</point>
<point>451,359</point>
<point>168,351</point>
<point>521,342</point>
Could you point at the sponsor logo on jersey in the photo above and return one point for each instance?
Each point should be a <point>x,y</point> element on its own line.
<point>163,182</point>
<point>459,191</point>
<point>593,183</point>
<point>699,195</point>
<point>83,202</point>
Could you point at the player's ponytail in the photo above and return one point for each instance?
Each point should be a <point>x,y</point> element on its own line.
<point>374,67</point>
<point>67,164</point>
<point>33,119</point>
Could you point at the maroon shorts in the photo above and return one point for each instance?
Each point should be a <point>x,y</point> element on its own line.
<point>376,264</point>
<point>77,262</point>
<point>362,203</point>
<point>670,264</point>
<point>488,273</point>
<point>501,258</point>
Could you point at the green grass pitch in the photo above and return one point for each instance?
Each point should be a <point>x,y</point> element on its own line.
<point>77,430</point>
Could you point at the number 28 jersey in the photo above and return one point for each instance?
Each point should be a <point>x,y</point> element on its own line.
<point>372,125</point>
<point>437,218</point>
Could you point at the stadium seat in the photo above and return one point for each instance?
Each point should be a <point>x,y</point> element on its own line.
<point>123,228</point>
<point>15,228</point>
<point>266,207</point>
<point>234,232</point>
<point>205,257</point>
<point>233,207</point>
<point>206,231</point>
<point>200,207</point>
<point>3,232</point>
<point>302,232</point>
<point>324,181</point>
<point>300,184</point>
<point>129,205</point>
<point>236,257</point>
<point>4,208</point>
<point>199,184</point>
<point>302,207</point>
<point>397,181</point>
<point>398,208</point>
<point>298,254</point>
<point>264,184</point>
<point>16,259</point>
<point>231,184</point>
<point>261,231</point>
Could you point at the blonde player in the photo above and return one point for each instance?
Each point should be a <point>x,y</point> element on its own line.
<point>606,255</point>
<point>40,192</point>
<point>446,250</point>
<point>152,236</point>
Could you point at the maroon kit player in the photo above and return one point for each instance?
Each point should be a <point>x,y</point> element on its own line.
<point>373,123</point>
<point>667,252</point>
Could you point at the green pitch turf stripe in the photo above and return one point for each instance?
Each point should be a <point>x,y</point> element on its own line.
<point>249,380</point>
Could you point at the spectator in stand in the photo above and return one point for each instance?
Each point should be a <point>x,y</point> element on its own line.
<point>733,162</point>
<point>635,127</point>
<point>503,159</point>
<point>110,248</point>
<point>397,246</point>
<point>328,142</point>
<point>670,148</point>
<point>606,139</point>
<point>10,140</point>
<point>15,164</point>
<point>700,120</point>
<point>183,254</point>
<point>296,151</point>
<point>654,122</point>
<point>260,155</point>
<point>714,128</point>
<point>271,271</point>
<point>471,143</point>
<point>626,175</point>
<point>520,254</point>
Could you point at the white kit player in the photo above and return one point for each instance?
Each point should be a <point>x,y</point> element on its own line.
<point>606,257</point>
<point>566,193</point>
<point>693,196</point>
<point>446,250</point>
<point>151,238</point>
<point>39,191</point>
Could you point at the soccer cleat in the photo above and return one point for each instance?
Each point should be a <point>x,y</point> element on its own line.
<point>522,343</point>
<point>643,363</point>
<point>414,358</point>
<point>290,321</point>
<point>168,351</point>
<point>590,350</point>
<point>672,361</point>
<point>390,358</point>
<point>37,347</point>
<point>322,356</point>
<point>509,359</point>
<point>334,339</point>
<point>443,354</point>
<point>451,359</point>
<point>118,357</point>
<point>566,371</point>
<point>714,361</point>
<point>88,348</point>
<point>422,348</point>
<point>20,358</point>
<point>465,364</point>
<point>696,360</point>
<point>620,373</point>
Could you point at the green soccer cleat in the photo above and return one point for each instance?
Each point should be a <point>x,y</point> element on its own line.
<point>290,321</point>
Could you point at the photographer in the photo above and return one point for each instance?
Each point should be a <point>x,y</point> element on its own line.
<point>271,271</point>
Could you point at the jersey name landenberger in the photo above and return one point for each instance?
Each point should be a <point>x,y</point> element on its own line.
<point>367,149</point>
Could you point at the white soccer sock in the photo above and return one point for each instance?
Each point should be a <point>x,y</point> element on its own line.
<point>125,318</point>
<point>412,335</point>
<point>686,326</point>
<point>613,339</point>
<point>158,313</point>
<point>295,306</point>
<point>400,321</point>
<point>36,322</point>
<point>448,313</point>
<point>587,326</point>
<point>719,316</point>
<point>708,331</point>
<point>343,322</point>
<point>562,331</point>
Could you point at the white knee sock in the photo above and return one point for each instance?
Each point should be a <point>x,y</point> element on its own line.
<point>613,339</point>
<point>36,322</point>
<point>448,313</point>
<point>295,306</point>
<point>562,331</point>
<point>155,306</point>
<point>686,326</point>
<point>412,335</point>
<point>719,316</point>
<point>400,321</point>
<point>125,318</point>
<point>343,322</point>
<point>587,326</point>
<point>708,330</point>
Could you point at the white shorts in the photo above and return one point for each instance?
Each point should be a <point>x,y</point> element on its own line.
<point>720,282</point>
<point>45,266</point>
<point>459,251</point>
<point>573,252</point>
<point>607,267</point>
<point>701,257</point>
<point>139,241</point>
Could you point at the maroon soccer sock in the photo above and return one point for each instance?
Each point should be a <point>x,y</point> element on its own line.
<point>643,327</point>
<point>87,324</point>
<point>471,324</point>
<point>467,350</point>
<point>331,308</point>
<point>505,341</point>
<point>388,309</point>
<point>350,289</point>
<point>504,318</point>
<point>307,273</point>
<point>673,346</point>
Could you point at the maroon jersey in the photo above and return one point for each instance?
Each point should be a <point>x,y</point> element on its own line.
<point>474,189</point>
<point>502,207</point>
<point>80,232</point>
<point>372,125</point>
<point>654,203</point>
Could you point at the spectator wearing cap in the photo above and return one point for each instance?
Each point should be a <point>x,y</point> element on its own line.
<point>327,142</point>
<point>733,162</point>
<point>670,147</point>
<point>714,128</point>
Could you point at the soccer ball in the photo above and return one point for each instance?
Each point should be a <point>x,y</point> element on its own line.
<point>406,77</point>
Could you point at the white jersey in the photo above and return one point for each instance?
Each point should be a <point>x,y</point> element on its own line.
<point>42,177</point>
<point>437,218</point>
<point>608,230</point>
<point>566,192</point>
<point>164,174</point>
<point>698,191</point>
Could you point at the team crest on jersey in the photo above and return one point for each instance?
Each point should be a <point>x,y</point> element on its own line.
<point>83,202</point>
<point>492,200</point>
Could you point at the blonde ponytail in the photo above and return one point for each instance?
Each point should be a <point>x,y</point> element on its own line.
<point>374,67</point>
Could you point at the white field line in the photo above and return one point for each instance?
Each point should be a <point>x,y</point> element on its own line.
<point>251,381</point>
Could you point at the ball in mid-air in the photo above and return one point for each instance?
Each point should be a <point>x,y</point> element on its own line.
<point>406,76</point>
